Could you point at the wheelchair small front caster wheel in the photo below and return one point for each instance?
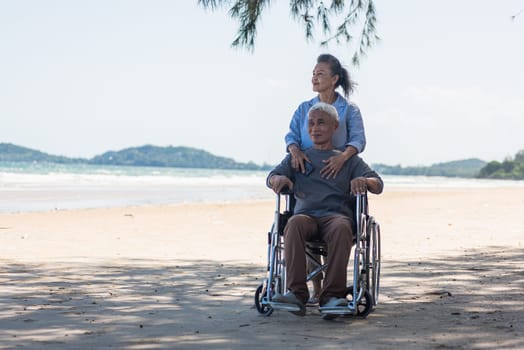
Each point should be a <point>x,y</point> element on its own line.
<point>260,294</point>
<point>364,305</point>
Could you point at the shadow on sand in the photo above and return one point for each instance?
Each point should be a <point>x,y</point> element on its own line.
<point>471,301</point>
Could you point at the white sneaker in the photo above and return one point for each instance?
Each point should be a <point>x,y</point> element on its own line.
<point>283,301</point>
<point>333,304</point>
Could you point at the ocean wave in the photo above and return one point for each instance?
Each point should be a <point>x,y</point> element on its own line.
<point>75,186</point>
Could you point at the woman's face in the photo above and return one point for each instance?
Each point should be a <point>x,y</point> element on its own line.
<point>323,79</point>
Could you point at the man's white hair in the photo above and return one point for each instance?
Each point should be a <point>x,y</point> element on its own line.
<point>326,108</point>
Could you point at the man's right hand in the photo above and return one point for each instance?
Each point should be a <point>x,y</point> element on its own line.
<point>298,158</point>
<point>279,182</point>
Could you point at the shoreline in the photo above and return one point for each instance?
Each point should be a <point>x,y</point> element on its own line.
<point>41,199</point>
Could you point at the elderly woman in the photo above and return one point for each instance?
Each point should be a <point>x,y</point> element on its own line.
<point>328,75</point>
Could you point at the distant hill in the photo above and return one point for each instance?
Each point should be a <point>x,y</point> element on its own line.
<point>187,157</point>
<point>180,157</point>
<point>458,168</point>
<point>13,153</point>
<point>177,157</point>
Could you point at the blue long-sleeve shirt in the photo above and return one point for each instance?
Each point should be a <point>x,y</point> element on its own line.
<point>349,133</point>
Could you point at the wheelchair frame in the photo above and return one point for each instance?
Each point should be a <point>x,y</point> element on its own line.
<point>362,294</point>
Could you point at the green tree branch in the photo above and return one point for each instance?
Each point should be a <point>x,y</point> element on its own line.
<point>359,17</point>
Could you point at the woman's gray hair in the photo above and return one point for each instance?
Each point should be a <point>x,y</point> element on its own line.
<point>326,108</point>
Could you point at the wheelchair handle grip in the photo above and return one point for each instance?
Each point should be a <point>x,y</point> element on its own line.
<point>286,191</point>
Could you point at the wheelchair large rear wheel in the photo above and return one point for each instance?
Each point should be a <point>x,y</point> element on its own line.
<point>260,294</point>
<point>374,259</point>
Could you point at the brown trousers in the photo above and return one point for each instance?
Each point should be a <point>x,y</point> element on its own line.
<point>336,232</point>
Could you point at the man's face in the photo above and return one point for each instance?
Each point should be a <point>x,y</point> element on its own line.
<point>321,127</point>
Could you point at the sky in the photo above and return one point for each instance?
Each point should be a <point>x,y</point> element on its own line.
<point>79,78</point>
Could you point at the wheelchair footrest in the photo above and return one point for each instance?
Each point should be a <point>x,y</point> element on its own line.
<point>284,306</point>
<point>335,310</point>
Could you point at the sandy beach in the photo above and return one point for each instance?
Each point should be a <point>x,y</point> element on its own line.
<point>183,277</point>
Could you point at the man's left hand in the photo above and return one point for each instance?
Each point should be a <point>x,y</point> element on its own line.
<point>359,185</point>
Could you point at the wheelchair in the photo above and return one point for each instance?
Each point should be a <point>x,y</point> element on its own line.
<point>362,294</point>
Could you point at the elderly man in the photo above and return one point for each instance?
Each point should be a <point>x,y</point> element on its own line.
<point>322,210</point>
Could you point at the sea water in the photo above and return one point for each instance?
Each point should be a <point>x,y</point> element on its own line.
<point>48,186</point>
